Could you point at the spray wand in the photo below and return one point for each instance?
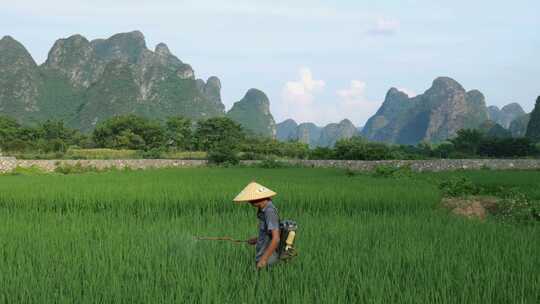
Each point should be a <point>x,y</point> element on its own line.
<point>222,238</point>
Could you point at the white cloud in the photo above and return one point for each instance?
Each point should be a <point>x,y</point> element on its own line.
<point>353,102</point>
<point>384,27</point>
<point>354,93</point>
<point>298,96</point>
<point>304,101</point>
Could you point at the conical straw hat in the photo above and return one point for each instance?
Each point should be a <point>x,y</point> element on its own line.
<point>253,191</point>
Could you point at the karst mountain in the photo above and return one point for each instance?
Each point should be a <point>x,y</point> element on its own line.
<point>84,82</point>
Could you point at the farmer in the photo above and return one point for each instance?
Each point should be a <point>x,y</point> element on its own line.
<point>267,242</point>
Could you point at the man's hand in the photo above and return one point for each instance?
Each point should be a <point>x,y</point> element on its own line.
<point>262,263</point>
<point>252,241</point>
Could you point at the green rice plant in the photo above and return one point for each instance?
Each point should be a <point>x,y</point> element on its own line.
<point>129,237</point>
<point>387,171</point>
<point>77,168</point>
<point>32,170</point>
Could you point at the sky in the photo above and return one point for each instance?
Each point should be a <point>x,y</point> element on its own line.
<point>318,61</point>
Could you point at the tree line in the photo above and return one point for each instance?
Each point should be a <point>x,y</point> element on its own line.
<point>226,141</point>
<point>223,139</point>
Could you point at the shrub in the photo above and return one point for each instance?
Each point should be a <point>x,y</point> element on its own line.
<point>322,153</point>
<point>222,156</point>
<point>75,153</point>
<point>154,153</point>
<point>250,156</point>
<point>458,186</point>
<point>516,207</point>
<point>184,154</point>
<point>350,173</point>
<point>273,164</point>
<point>387,171</point>
<point>444,149</point>
<point>74,169</point>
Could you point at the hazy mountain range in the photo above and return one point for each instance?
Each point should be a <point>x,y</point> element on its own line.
<point>435,115</point>
<point>314,135</point>
<point>84,82</point>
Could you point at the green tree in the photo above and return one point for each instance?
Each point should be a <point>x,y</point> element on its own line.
<point>9,131</point>
<point>322,153</point>
<point>467,141</point>
<point>221,137</point>
<point>179,133</point>
<point>262,147</point>
<point>54,136</point>
<point>533,128</point>
<point>506,147</point>
<point>218,132</point>
<point>358,148</point>
<point>129,131</point>
<point>444,149</point>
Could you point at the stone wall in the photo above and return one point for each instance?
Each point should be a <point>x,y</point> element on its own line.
<point>9,163</point>
<point>427,165</point>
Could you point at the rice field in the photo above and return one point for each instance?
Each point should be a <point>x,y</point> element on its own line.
<point>129,237</point>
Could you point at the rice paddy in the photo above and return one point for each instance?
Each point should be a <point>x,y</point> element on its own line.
<point>129,237</point>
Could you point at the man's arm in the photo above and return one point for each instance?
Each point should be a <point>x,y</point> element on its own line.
<point>270,249</point>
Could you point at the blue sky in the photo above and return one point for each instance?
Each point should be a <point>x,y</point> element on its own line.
<point>318,61</point>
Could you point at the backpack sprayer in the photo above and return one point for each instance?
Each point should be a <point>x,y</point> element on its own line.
<point>286,244</point>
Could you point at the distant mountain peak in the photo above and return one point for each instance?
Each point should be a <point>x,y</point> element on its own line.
<point>506,115</point>
<point>313,135</point>
<point>136,37</point>
<point>253,113</point>
<point>76,37</point>
<point>85,81</point>
<point>346,121</point>
<point>287,130</point>
<point>8,39</point>
<point>11,43</point>
<point>444,82</point>
<point>435,115</point>
<point>12,52</point>
<point>212,90</point>
<point>396,92</point>
<point>256,95</point>
<point>19,79</point>
<point>214,81</point>
<point>513,107</point>
<point>289,121</point>
<point>162,49</point>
